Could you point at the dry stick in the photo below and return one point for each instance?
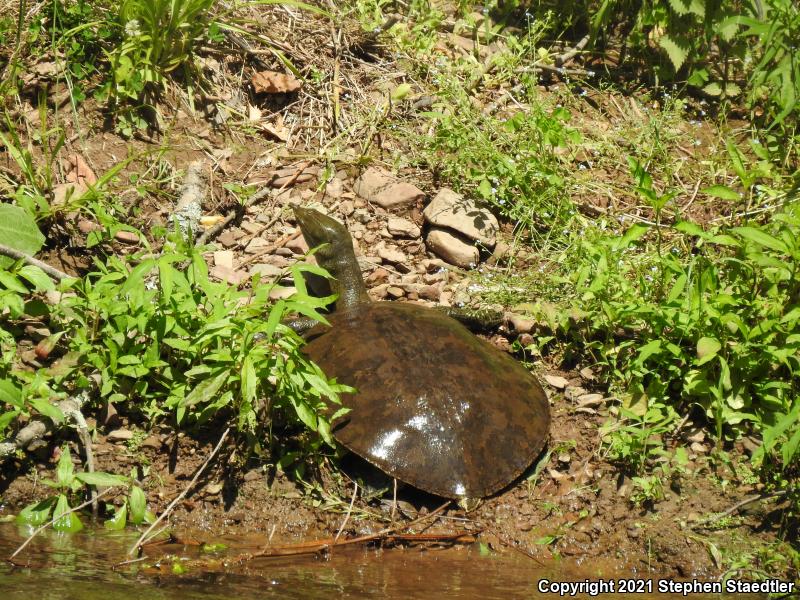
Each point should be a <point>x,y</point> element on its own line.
<point>182,495</point>
<point>51,271</point>
<point>53,520</point>
<point>212,232</point>
<point>738,505</point>
<point>349,510</point>
<point>313,547</point>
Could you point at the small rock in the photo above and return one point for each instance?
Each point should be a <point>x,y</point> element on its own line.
<point>379,292</point>
<point>695,435</point>
<point>556,381</point>
<point>402,228</point>
<point>297,245</point>
<point>379,275</point>
<point>391,255</point>
<point>383,189</point>
<point>251,228</point>
<point>266,270</point>
<point>277,261</point>
<point>519,324</point>
<point>256,245</point>
<point>228,275</point>
<point>126,237</point>
<point>334,188</point>
<point>227,239</point>
<point>395,292</point>
<point>224,258</point>
<point>284,252</point>
<point>361,215</point>
<point>452,249</point>
<point>590,400</point>
<point>698,448</point>
<point>587,373</point>
<point>430,292</point>
<point>564,458</point>
<point>346,208</point>
<point>463,215</point>
<point>120,435</point>
<point>153,442</point>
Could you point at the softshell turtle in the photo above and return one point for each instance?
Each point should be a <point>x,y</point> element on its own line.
<point>436,406</point>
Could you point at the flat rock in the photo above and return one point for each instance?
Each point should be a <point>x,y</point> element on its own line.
<point>452,248</point>
<point>224,258</point>
<point>462,215</point>
<point>556,381</point>
<point>399,227</point>
<point>266,270</point>
<point>519,323</point>
<point>256,245</point>
<point>391,255</point>
<point>119,435</point>
<point>395,292</point>
<point>297,245</point>
<point>280,292</point>
<point>227,239</point>
<point>382,188</point>
<point>229,275</point>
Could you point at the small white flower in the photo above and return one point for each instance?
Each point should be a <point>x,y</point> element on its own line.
<point>133,28</point>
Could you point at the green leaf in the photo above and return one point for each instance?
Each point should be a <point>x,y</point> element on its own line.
<point>119,520</point>
<point>18,230</point>
<point>10,282</point>
<point>102,479</point>
<point>138,504</point>
<point>677,50</point>
<point>707,348</point>
<point>761,238</point>
<point>205,390</point>
<point>43,407</point>
<point>65,469</point>
<point>37,277</point>
<point>401,92</point>
<point>68,523</point>
<point>690,228</point>
<point>634,233</point>
<point>713,89</point>
<point>721,191</point>
<point>10,393</point>
<point>36,514</point>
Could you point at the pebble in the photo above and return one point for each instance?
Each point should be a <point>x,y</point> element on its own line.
<point>119,435</point>
<point>280,292</point>
<point>392,255</point>
<point>395,292</point>
<point>297,245</point>
<point>379,275</point>
<point>347,208</point>
<point>266,270</point>
<point>519,324</point>
<point>224,258</point>
<point>229,275</point>
<point>452,249</point>
<point>255,245</point>
<point>404,228</point>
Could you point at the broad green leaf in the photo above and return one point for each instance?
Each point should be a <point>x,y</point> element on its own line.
<point>68,523</point>
<point>677,50</point>
<point>37,277</point>
<point>44,407</point>
<point>18,230</point>
<point>119,520</point>
<point>65,469</point>
<point>102,479</point>
<point>10,282</point>
<point>721,191</point>
<point>760,237</point>
<point>10,393</point>
<point>690,228</point>
<point>401,92</point>
<point>789,449</point>
<point>249,380</point>
<point>707,348</point>
<point>205,390</point>
<point>713,89</point>
<point>138,505</point>
<point>648,350</point>
<point>36,514</point>
<point>634,233</point>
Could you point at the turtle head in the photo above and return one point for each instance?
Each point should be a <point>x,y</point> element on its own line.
<point>322,230</point>
<point>335,254</point>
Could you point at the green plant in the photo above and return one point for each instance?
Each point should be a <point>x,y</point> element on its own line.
<point>67,482</point>
<point>159,37</point>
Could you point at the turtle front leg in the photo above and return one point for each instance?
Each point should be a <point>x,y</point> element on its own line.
<point>480,319</point>
<point>301,325</point>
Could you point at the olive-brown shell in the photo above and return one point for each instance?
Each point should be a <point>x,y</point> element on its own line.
<point>436,407</point>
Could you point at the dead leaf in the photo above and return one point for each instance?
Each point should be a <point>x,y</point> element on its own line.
<point>272,82</point>
<point>281,134</point>
<point>253,113</point>
<point>79,171</point>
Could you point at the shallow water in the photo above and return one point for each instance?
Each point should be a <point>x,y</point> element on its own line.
<point>80,566</point>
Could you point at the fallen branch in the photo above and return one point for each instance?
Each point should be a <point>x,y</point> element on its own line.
<point>190,204</point>
<point>17,255</point>
<point>739,505</point>
<point>182,495</point>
